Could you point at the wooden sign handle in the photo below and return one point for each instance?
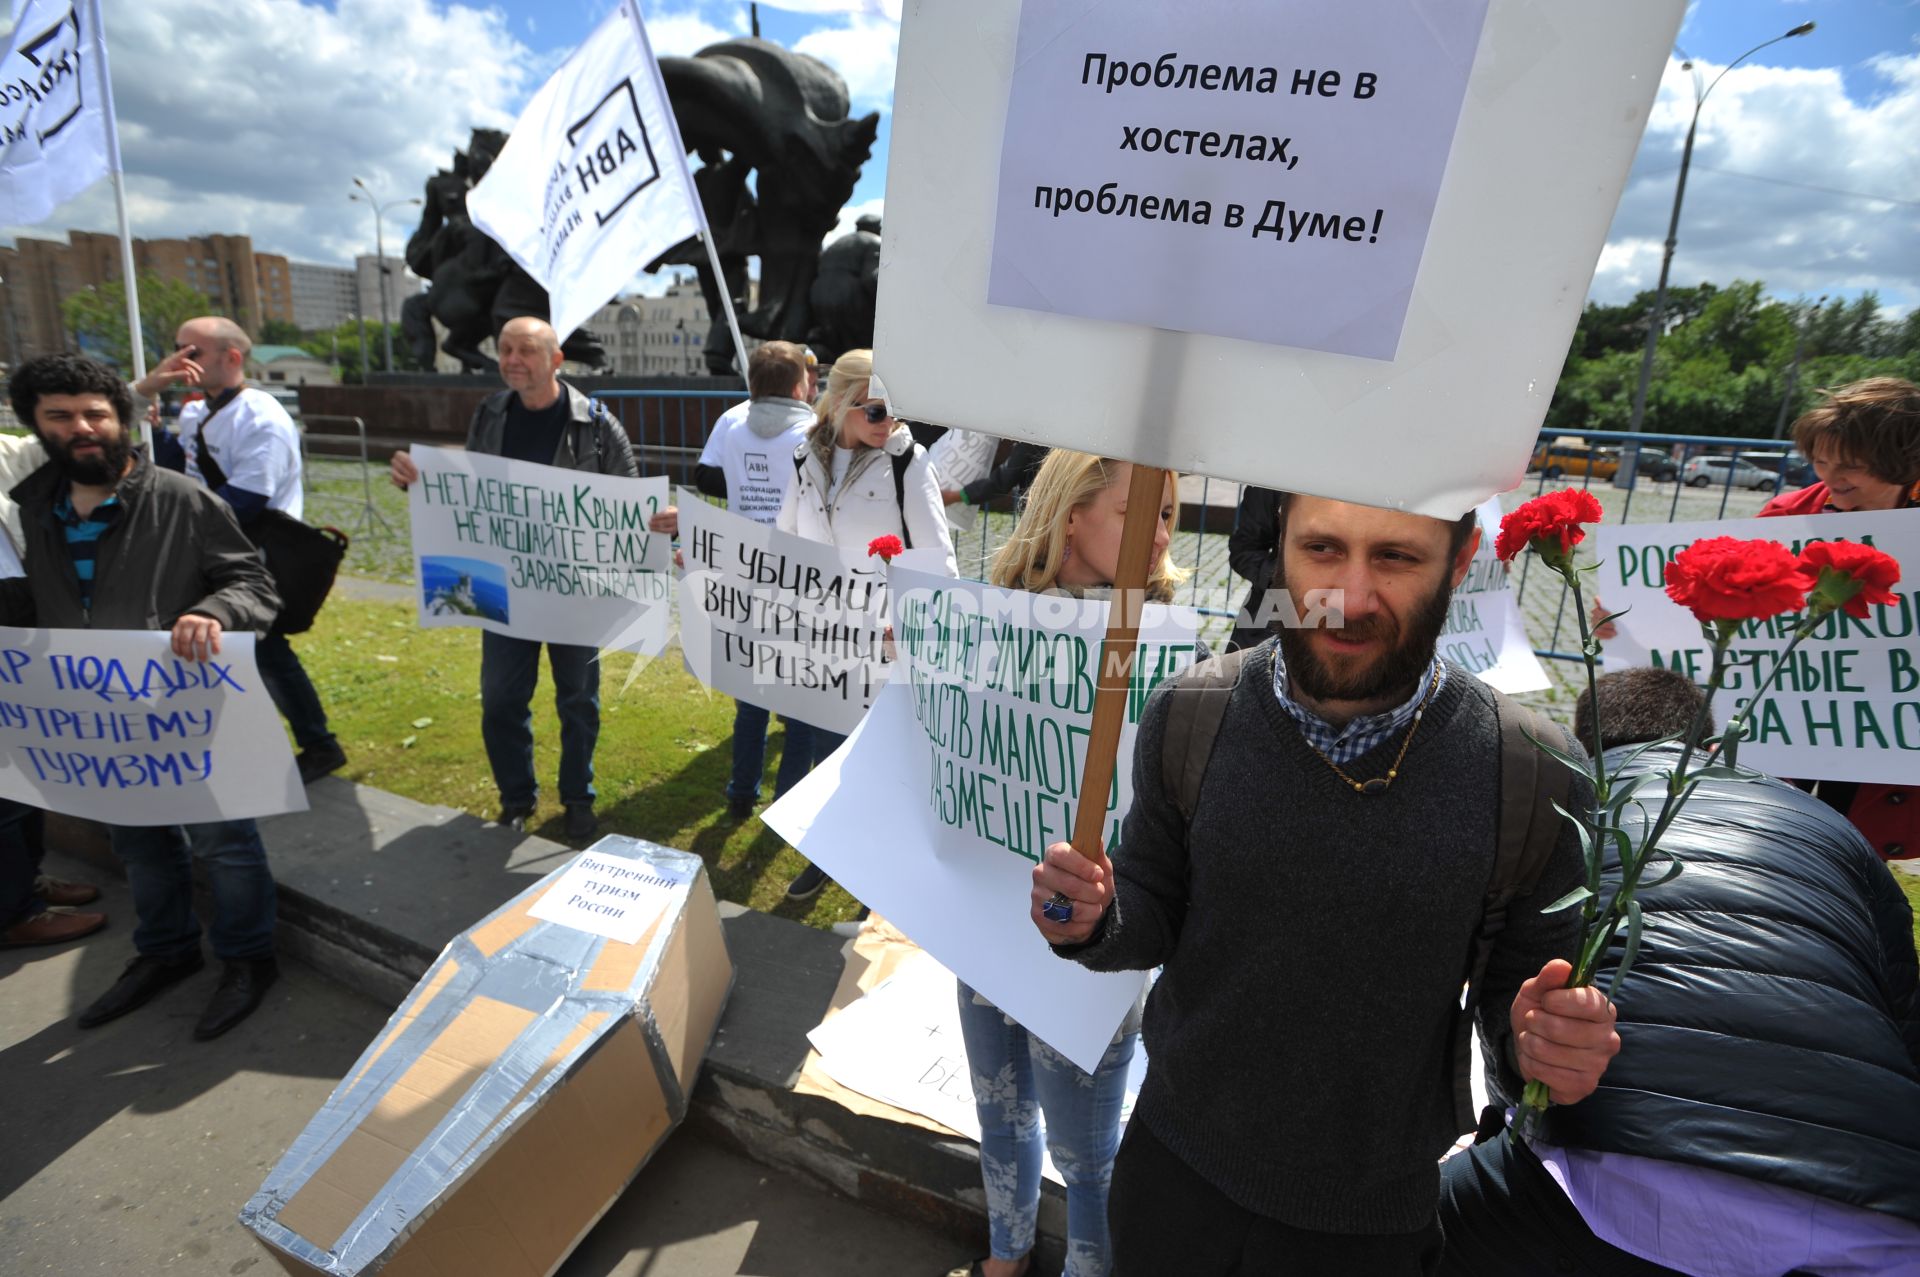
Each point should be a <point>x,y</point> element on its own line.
<point>1144,496</point>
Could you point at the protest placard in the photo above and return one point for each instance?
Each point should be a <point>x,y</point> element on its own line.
<point>537,552</point>
<point>958,457</point>
<point>1484,630</point>
<point>901,1044</point>
<point>1373,353</point>
<point>970,762</point>
<point>1173,174</point>
<point>1848,707</point>
<point>110,725</point>
<point>778,621</point>
<point>612,896</point>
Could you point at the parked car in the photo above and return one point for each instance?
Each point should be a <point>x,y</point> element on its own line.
<point>1575,459</point>
<point>1795,470</point>
<point>1655,464</point>
<point>1703,472</point>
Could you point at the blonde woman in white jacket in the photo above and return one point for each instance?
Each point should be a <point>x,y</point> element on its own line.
<point>859,475</point>
<point>844,491</point>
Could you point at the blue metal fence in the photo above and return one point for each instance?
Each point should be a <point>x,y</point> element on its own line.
<point>669,428</point>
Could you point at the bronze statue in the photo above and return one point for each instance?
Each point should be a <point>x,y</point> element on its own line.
<point>744,107</point>
<point>473,286</point>
<point>751,105</point>
<point>845,292</point>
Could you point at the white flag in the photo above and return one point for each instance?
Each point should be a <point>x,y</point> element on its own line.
<point>55,115</point>
<point>593,184</point>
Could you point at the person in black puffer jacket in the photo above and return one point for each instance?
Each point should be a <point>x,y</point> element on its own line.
<point>1763,1115</point>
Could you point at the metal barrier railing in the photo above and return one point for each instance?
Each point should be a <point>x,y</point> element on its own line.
<point>670,428</point>
<point>1687,462</point>
<point>369,517</point>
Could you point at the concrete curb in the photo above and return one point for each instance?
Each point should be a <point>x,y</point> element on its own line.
<point>372,886</point>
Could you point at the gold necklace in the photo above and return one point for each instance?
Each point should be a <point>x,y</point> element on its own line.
<point>1378,785</point>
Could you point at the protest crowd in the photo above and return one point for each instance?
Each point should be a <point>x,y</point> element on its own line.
<point>1353,963</point>
<point>1765,1063</point>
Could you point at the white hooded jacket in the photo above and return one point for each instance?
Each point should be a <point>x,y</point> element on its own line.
<point>864,505</point>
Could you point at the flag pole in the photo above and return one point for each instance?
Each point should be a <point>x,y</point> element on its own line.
<point>130,285</point>
<point>693,192</point>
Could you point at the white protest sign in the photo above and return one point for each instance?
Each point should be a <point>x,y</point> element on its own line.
<point>538,552</point>
<point>901,1044</point>
<point>1555,100</point>
<point>778,621</point>
<point>1485,632</point>
<point>610,896</point>
<point>110,725</point>
<point>971,761</point>
<point>1849,706</point>
<point>1352,164</point>
<point>958,457</point>
<point>593,181</point>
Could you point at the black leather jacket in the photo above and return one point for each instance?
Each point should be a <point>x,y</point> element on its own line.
<point>1770,1026</point>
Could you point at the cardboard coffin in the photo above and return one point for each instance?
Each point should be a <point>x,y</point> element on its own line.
<point>519,1088</point>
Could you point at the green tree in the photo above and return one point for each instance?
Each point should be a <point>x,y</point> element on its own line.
<point>279,332</point>
<point>341,347</point>
<point>97,316</point>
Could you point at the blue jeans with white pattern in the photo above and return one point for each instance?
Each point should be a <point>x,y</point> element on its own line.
<point>1019,1083</point>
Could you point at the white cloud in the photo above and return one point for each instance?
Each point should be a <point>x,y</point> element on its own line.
<point>683,32</point>
<point>254,116</point>
<point>1795,126</point>
<point>864,52</point>
<point>852,213</point>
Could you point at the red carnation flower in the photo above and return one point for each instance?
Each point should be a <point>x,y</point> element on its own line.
<point>1549,523</point>
<point>1846,574</point>
<point>1728,579</point>
<point>885,546</point>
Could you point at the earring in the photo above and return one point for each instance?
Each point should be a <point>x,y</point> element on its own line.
<point>1066,555</point>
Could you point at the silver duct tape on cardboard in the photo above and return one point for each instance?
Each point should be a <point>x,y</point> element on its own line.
<point>512,1012</point>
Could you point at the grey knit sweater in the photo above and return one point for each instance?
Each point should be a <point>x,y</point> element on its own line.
<point>1315,942</point>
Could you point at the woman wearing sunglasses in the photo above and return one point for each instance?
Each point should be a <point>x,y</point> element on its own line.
<point>1067,542</point>
<point>859,475</point>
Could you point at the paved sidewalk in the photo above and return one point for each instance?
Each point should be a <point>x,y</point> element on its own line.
<point>130,1148</point>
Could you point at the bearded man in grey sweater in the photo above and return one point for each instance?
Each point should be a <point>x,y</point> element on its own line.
<point>1314,919</point>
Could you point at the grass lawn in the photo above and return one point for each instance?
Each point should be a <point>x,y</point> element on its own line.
<point>1910,883</point>
<point>405,703</point>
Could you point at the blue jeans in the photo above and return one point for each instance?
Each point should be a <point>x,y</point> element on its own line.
<point>1018,1079</point>
<point>509,672</point>
<point>750,753</point>
<point>22,844</point>
<point>291,690</point>
<point>159,860</point>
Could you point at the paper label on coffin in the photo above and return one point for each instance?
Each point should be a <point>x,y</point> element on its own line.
<point>513,1095</point>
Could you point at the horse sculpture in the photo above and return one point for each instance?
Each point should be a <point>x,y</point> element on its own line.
<point>750,105</point>
<point>745,107</point>
<point>476,288</point>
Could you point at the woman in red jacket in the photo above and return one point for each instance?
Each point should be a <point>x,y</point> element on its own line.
<point>1864,443</point>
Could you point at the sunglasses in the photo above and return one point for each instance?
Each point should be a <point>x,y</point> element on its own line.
<point>875,412</point>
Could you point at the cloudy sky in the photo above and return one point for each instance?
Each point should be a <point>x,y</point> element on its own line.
<point>254,116</point>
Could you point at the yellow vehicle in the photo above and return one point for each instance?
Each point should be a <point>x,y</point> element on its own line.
<point>1572,458</point>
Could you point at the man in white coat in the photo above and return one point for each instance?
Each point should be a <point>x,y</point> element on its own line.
<point>243,440</point>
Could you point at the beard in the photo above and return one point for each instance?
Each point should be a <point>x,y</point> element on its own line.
<point>1407,654</point>
<point>94,469</point>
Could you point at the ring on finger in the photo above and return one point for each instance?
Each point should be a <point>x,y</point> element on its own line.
<point>1057,908</point>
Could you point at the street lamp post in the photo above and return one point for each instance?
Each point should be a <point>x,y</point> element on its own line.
<point>1673,232</point>
<point>365,195</point>
<point>1793,368</point>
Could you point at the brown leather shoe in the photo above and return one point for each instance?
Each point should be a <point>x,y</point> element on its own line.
<point>52,926</point>
<point>58,891</point>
